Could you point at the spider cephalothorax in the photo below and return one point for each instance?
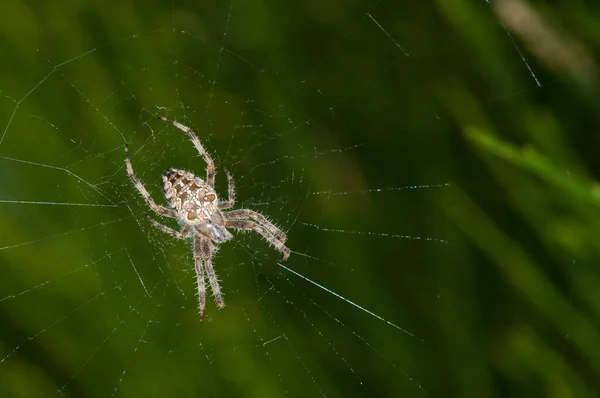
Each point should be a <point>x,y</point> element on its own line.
<point>195,204</point>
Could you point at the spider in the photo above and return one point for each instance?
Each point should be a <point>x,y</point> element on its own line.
<point>194,203</point>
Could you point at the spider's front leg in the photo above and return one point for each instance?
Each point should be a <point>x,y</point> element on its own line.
<point>198,263</point>
<point>203,252</point>
<point>247,214</point>
<point>160,210</point>
<point>176,234</point>
<point>249,225</point>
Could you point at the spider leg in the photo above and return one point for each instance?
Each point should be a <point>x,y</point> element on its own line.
<point>206,252</point>
<point>210,165</point>
<point>246,214</point>
<point>249,225</point>
<point>185,231</point>
<point>160,210</point>
<point>198,259</point>
<point>231,193</point>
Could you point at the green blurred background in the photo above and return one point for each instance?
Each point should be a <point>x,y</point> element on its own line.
<point>432,162</point>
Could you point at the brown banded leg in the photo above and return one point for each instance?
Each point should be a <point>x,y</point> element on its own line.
<point>246,214</point>
<point>160,210</point>
<point>210,165</point>
<point>198,260</point>
<point>185,231</point>
<point>206,253</point>
<point>231,193</point>
<point>249,225</point>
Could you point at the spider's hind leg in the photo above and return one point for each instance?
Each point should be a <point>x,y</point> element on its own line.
<point>210,165</point>
<point>160,210</point>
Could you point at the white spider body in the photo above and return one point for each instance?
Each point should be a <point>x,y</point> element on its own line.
<point>194,203</point>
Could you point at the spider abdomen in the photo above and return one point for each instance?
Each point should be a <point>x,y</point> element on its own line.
<point>189,195</point>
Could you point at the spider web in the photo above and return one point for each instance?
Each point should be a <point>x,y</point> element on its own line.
<point>329,129</point>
